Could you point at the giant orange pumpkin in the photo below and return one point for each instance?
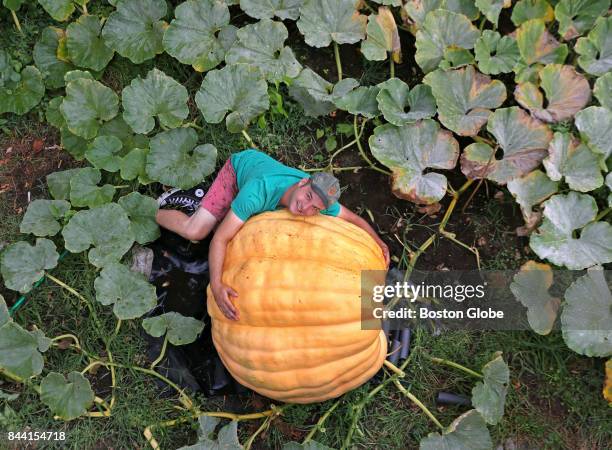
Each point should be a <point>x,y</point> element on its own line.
<point>299,337</point>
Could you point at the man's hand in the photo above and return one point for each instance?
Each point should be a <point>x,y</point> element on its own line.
<point>222,294</point>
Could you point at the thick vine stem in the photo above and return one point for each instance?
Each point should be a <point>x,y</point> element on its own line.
<point>338,61</point>
<point>262,427</point>
<point>319,425</point>
<point>603,214</point>
<point>11,376</point>
<point>363,153</point>
<point>248,138</point>
<point>393,368</point>
<point>161,353</point>
<point>391,67</point>
<point>16,20</point>
<point>418,402</point>
<point>449,363</point>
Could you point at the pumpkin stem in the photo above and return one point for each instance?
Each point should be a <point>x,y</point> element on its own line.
<point>393,368</point>
<point>161,353</point>
<point>338,62</point>
<point>362,151</point>
<point>319,425</point>
<point>446,362</point>
<point>418,402</point>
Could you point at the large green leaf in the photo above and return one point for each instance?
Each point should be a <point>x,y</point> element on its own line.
<point>489,395</point>
<point>417,10</point>
<point>42,217</point>
<point>84,189</point>
<point>537,46</point>
<point>310,445</point>
<point>141,210</point>
<point>595,50</point>
<point>13,5</point>
<point>133,165</point>
<point>467,432</point>
<point>262,44</point>
<point>20,350</point>
<point>45,57</point>
<point>175,158</point>
<point>59,183</point>
<point>5,316</point>
<point>200,34</point>
<point>496,54</point>
<point>394,97</point>
<point>23,264</point>
<point>227,437</point>
<point>181,330</point>
<point>53,115</point>
<point>122,131</point>
<point>556,240</point>
<point>443,30</point>
<point>529,191</point>
<point>569,158</point>
<point>105,228</point>
<point>492,8</point>
<point>523,139</point>
<point>317,95</point>
<point>587,314</point>
<point>324,21</point>
<point>465,98</point>
<point>21,95</point>
<point>60,10</point>
<point>103,153</point>
<point>361,100</point>
<point>239,90</point>
<point>86,105</point>
<point>68,398</point>
<point>530,286</point>
<point>525,10</point>
<point>567,92</point>
<point>7,69</point>
<point>409,151</point>
<point>130,292</point>
<point>267,9</point>
<point>595,126</point>
<point>157,95</point>
<point>382,37</point>
<point>136,30</point>
<point>85,45</point>
<point>73,144</point>
<point>577,16</point>
<point>603,90</point>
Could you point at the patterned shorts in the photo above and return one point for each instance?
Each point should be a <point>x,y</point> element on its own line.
<point>222,191</point>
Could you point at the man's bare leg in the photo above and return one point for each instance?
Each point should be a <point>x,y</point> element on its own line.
<point>194,228</point>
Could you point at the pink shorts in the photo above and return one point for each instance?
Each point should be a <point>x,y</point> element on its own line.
<point>222,191</point>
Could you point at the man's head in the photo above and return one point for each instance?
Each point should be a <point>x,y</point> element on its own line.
<point>311,195</point>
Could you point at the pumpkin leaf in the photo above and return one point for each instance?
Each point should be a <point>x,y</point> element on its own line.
<point>88,103</point>
<point>73,144</point>
<point>489,395</point>
<point>465,98</point>
<point>135,30</point>
<point>587,314</point>
<point>529,191</point>
<point>227,438</point>
<point>603,90</point>
<point>595,126</point>
<point>68,398</point>
<point>595,50</point>
<point>45,57</point>
<point>122,131</point>
<point>103,153</point>
<point>77,75</point>
<point>133,165</point>
<point>261,45</point>
<point>22,92</point>
<point>496,54</point>
<point>523,139</point>
<point>555,240</point>
<point>181,330</point>
<point>324,21</point>
<point>395,96</point>
<point>310,445</point>
<point>567,92</point>
<point>525,10</point>
<point>200,34</point>
<point>313,92</point>
<point>443,30</point>
<point>130,293</point>
<point>105,228</point>
<point>492,8</point>
<point>267,9</point>
<point>158,95</point>
<point>59,183</point>
<point>85,45</point>
<point>361,100</point>
<point>42,217</point>
<point>5,316</point>
<point>411,149</point>
<point>577,16</point>
<point>239,90</point>
<point>141,210</point>
<point>537,45</point>
<point>571,159</point>
<point>417,10</point>
<point>467,432</point>
<point>13,5</point>
<point>23,264</point>
<point>175,160</point>
<point>530,287</point>
<point>53,115</point>
<point>84,189</point>
<point>20,350</point>
<point>60,10</point>
<point>382,37</point>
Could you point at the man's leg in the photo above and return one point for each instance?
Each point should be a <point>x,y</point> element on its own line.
<point>194,228</point>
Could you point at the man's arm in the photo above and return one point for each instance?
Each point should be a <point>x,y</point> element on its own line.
<point>216,254</point>
<point>353,218</point>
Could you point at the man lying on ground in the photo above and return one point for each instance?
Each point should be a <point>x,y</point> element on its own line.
<point>251,182</point>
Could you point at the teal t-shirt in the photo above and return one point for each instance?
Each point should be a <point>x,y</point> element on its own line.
<point>262,181</point>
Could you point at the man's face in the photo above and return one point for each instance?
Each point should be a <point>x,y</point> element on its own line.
<point>304,201</point>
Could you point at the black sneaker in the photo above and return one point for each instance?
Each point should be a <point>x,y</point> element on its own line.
<point>186,201</point>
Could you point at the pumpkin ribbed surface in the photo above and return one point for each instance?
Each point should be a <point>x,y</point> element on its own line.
<point>299,337</point>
